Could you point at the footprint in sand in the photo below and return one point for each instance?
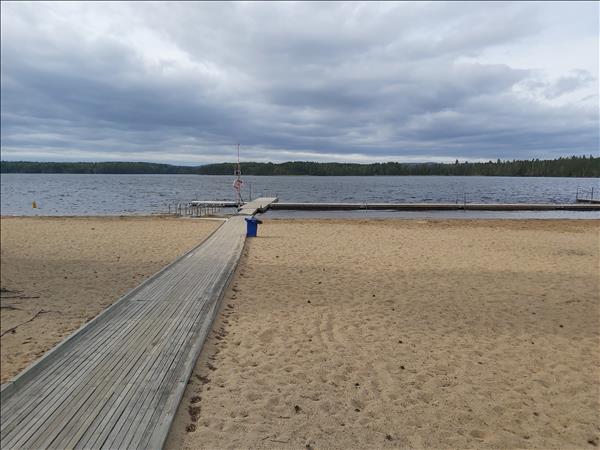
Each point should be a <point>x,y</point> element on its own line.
<point>477,434</point>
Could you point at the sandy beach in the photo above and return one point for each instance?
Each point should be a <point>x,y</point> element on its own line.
<point>347,334</point>
<point>420,334</point>
<point>58,273</point>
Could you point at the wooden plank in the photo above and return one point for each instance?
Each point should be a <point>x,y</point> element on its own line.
<point>116,441</point>
<point>80,367</point>
<point>159,425</point>
<point>106,386</point>
<point>117,381</point>
<point>133,419</point>
<point>110,410</point>
<point>131,403</point>
<point>50,387</point>
<point>71,396</point>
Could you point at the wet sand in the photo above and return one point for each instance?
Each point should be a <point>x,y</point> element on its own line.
<point>58,273</point>
<point>413,333</point>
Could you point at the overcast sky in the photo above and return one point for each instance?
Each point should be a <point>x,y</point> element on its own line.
<point>184,82</point>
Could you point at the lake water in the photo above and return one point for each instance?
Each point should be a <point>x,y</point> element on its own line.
<point>66,194</point>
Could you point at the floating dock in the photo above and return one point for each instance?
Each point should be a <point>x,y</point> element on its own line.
<point>437,206</point>
<point>264,204</point>
<point>117,382</point>
<point>255,206</point>
<point>213,203</point>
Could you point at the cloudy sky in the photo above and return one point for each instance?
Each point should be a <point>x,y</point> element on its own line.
<point>184,82</point>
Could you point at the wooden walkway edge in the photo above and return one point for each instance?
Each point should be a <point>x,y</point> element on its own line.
<point>118,381</point>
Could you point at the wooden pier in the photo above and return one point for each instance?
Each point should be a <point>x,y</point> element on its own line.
<point>199,208</point>
<point>250,208</point>
<point>437,206</point>
<point>259,205</point>
<point>117,382</point>
<point>264,204</point>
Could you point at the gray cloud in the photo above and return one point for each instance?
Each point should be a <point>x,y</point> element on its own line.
<point>183,82</point>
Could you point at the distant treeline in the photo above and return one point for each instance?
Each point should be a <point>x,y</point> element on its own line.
<point>575,166</point>
<point>93,167</point>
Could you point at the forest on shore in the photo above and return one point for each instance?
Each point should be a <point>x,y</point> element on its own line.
<point>574,166</point>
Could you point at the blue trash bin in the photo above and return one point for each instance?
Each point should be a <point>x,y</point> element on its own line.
<point>252,226</point>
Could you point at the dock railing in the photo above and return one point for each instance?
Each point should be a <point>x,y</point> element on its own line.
<point>198,208</point>
<point>587,195</point>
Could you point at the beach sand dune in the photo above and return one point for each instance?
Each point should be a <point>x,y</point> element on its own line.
<point>414,333</point>
<point>58,273</point>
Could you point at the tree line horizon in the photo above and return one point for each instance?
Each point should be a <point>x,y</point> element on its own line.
<point>573,166</point>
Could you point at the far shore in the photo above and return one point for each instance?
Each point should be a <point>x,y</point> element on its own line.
<point>574,166</point>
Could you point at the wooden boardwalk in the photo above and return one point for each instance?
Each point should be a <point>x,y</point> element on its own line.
<point>117,382</point>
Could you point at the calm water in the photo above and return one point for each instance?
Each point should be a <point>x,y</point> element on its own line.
<point>59,194</point>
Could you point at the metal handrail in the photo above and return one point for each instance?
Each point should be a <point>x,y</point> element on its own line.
<point>586,195</point>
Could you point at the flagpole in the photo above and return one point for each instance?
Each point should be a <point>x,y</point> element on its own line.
<point>237,183</point>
